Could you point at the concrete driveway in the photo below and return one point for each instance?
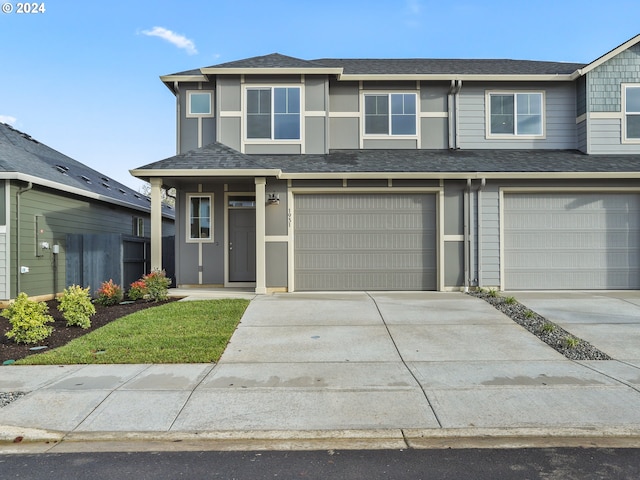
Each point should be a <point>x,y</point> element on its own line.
<point>609,320</point>
<point>398,368</point>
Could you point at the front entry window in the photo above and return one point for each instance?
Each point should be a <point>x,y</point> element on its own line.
<point>200,218</point>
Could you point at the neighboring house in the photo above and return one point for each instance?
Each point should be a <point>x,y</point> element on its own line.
<point>406,174</point>
<point>46,200</point>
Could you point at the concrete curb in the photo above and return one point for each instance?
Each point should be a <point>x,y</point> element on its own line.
<point>47,441</point>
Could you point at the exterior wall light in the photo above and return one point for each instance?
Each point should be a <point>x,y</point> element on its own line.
<point>273,199</point>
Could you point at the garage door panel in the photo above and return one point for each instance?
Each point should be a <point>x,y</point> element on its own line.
<point>365,241</point>
<point>572,241</point>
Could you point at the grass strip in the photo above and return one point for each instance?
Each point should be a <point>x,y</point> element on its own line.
<point>177,332</point>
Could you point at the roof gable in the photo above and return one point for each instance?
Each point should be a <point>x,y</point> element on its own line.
<point>609,55</point>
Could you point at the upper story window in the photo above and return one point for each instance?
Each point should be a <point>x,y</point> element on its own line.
<point>199,103</point>
<point>273,113</point>
<point>390,114</point>
<point>199,218</point>
<point>631,98</point>
<point>515,114</point>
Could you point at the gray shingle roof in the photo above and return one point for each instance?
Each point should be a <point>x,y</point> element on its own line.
<point>21,154</point>
<point>417,66</point>
<point>219,157</point>
<point>406,66</point>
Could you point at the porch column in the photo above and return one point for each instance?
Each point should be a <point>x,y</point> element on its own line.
<point>156,223</point>
<point>261,201</point>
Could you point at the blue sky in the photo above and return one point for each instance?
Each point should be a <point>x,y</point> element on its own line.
<point>82,77</point>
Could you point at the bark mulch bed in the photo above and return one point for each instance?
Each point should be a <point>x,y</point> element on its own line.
<point>9,350</point>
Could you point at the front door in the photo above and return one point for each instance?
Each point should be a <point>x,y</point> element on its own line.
<point>242,245</point>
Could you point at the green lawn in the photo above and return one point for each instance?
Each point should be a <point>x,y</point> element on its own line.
<point>177,332</point>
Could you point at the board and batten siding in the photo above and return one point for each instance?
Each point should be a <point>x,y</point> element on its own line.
<point>560,119</point>
<point>59,215</point>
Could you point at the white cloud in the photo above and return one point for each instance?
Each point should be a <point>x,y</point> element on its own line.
<point>176,39</point>
<point>8,119</point>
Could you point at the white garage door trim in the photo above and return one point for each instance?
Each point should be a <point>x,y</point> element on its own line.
<point>436,191</point>
<point>584,282</point>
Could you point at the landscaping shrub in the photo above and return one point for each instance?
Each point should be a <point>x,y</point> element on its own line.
<point>75,303</point>
<point>137,290</point>
<point>28,319</point>
<point>109,293</point>
<point>157,285</point>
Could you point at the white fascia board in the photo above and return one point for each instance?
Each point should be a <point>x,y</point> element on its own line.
<point>607,56</point>
<point>231,172</point>
<point>460,175</point>
<point>74,190</point>
<point>272,71</point>
<point>463,77</point>
<point>184,78</point>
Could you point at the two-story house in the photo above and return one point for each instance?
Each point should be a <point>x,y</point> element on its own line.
<point>405,174</point>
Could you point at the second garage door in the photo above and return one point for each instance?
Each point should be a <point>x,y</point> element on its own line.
<point>365,242</point>
<point>571,241</point>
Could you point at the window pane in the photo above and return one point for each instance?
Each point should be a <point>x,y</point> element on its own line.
<point>293,98</point>
<point>529,103</point>
<point>287,126</point>
<point>200,103</point>
<point>259,126</point>
<point>200,218</point>
<point>397,104</point>
<point>403,125</point>
<point>633,99</point>
<point>280,100</point>
<point>376,124</point>
<point>633,126</point>
<point>529,125</point>
<point>376,114</point>
<point>501,114</point>
<point>253,101</point>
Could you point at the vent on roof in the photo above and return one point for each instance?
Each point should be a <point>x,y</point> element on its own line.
<point>86,179</point>
<point>122,191</point>
<point>137,196</point>
<point>105,179</point>
<point>62,169</point>
<point>106,185</point>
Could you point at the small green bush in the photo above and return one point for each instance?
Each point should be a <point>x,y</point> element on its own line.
<point>548,327</point>
<point>510,300</point>
<point>28,319</point>
<point>157,285</point>
<point>109,293</point>
<point>493,292</point>
<point>75,303</point>
<point>529,314</point>
<point>571,342</point>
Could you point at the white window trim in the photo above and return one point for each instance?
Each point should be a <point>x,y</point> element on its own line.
<point>272,141</point>
<point>187,231</point>
<point>513,136</point>
<point>200,115</point>
<point>623,109</point>
<point>388,93</point>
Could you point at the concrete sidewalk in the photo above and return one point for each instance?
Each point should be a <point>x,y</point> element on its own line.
<point>339,370</point>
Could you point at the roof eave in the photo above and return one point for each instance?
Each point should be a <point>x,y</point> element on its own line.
<point>271,71</point>
<point>458,175</point>
<point>208,172</point>
<point>73,190</point>
<point>463,77</point>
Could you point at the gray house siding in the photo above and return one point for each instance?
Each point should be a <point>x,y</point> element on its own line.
<point>489,237</point>
<point>560,124</point>
<point>194,132</point>
<point>583,138</point>
<point>604,91</point>
<point>48,216</point>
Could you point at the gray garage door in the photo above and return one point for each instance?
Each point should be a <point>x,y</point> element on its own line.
<point>571,241</point>
<point>365,242</point>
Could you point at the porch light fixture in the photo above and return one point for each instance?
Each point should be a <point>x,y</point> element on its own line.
<point>273,199</point>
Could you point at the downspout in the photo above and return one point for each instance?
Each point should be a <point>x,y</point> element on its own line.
<point>483,182</point>
<point>453,109</point>
<point>467,246</point>
<point>18,239</point>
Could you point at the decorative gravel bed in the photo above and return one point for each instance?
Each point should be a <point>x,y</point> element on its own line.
<point>7,397</point>
<point>553,335</point>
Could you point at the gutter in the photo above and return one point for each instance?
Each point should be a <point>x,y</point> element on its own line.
<point>18,238</point>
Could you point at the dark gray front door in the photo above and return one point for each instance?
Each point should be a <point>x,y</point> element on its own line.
<point>242,245</point>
